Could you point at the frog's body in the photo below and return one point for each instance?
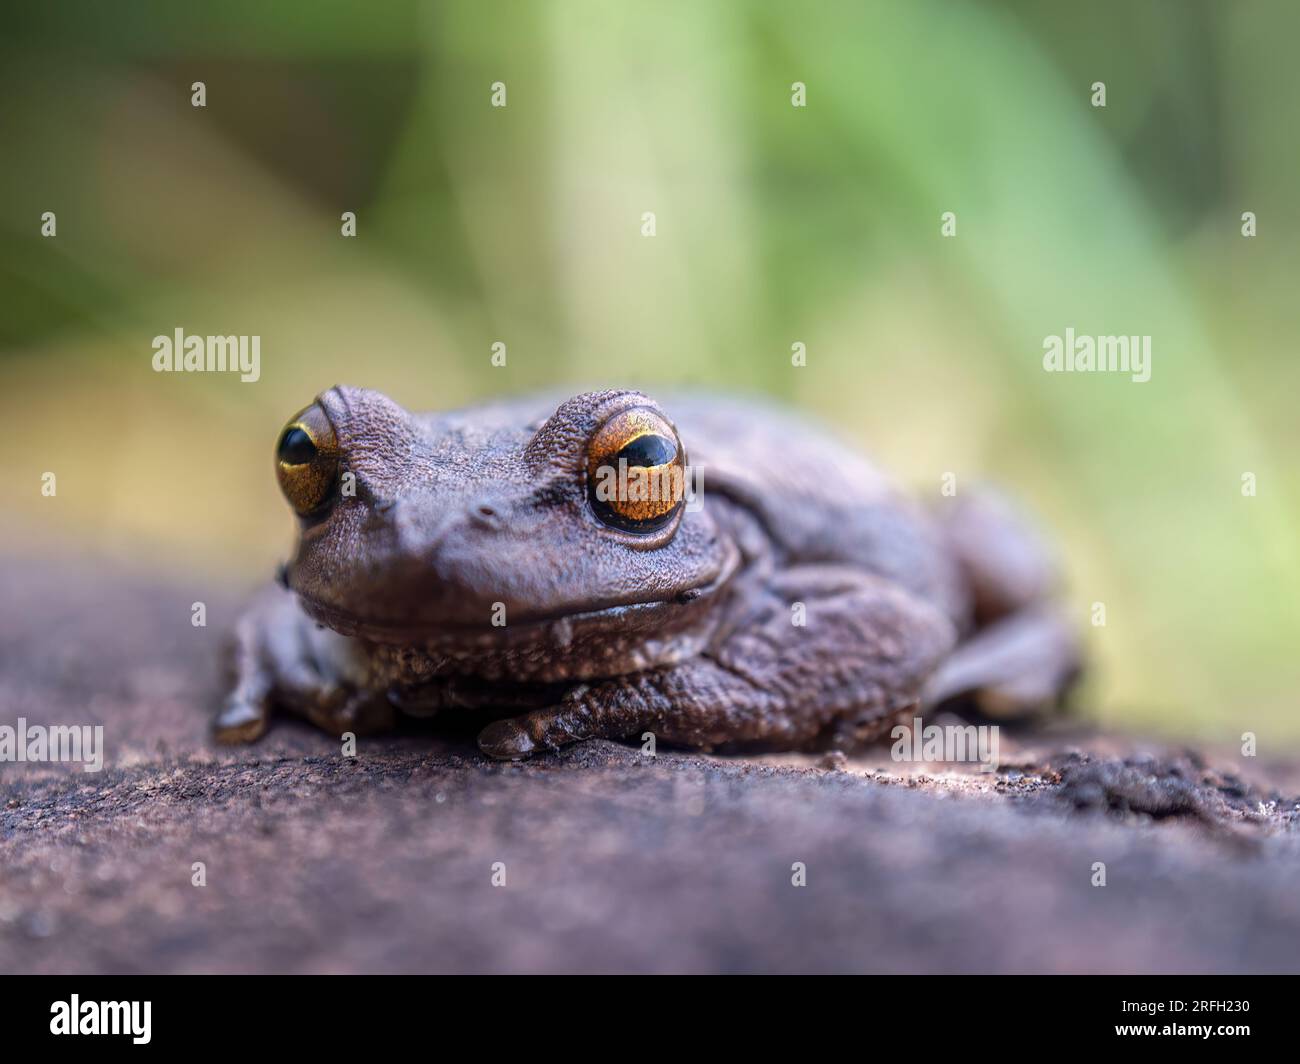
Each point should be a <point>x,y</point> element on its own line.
<point>465,560</point>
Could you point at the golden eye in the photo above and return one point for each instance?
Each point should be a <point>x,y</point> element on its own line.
<point>306,460</point>
<point>636,471</point>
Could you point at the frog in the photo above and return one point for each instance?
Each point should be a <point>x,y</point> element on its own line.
<point>716,573</point>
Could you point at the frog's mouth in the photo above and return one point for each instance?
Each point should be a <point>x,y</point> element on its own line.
<point>624,615</point>
<point>558,628</point>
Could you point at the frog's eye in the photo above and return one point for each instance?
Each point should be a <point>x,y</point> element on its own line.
<point>636,471</point>
<point>306,460</point>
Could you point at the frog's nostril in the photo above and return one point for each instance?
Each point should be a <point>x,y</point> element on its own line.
<point>484,516</point>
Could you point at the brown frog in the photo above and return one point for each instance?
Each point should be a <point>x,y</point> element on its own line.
<point>501,560</point>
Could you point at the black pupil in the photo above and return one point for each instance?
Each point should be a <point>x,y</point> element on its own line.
<point>648,450</point>
<point>296,447</point>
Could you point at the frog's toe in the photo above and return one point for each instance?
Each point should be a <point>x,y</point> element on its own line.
<point>551,729</point>
<point>340,711</point>
<point>241,720</point>
<point>506,740</point>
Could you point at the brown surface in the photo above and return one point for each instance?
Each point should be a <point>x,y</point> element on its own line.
<point>613,862</point>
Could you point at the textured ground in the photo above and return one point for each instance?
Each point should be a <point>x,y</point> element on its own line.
<point>612,861</point>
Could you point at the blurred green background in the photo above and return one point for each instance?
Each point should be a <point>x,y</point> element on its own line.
<point>774,225</point>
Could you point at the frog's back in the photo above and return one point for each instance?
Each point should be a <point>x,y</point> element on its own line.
<point>817,499</point>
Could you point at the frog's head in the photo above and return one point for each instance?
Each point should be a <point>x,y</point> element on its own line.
<point>485,525</point>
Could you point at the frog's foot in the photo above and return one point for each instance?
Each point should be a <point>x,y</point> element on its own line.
<point>241,719</point>
<point>517,738</point>
<point>858,658</point>
<point>246,712</point>
<point>1019,665</point>
<point>358,712</point>
<point>282,660</point>
<point>334,708</point>
<point>1024,654</point>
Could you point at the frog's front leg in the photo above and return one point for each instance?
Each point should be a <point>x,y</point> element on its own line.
<point>280,658</point>
<point>818,653</point>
